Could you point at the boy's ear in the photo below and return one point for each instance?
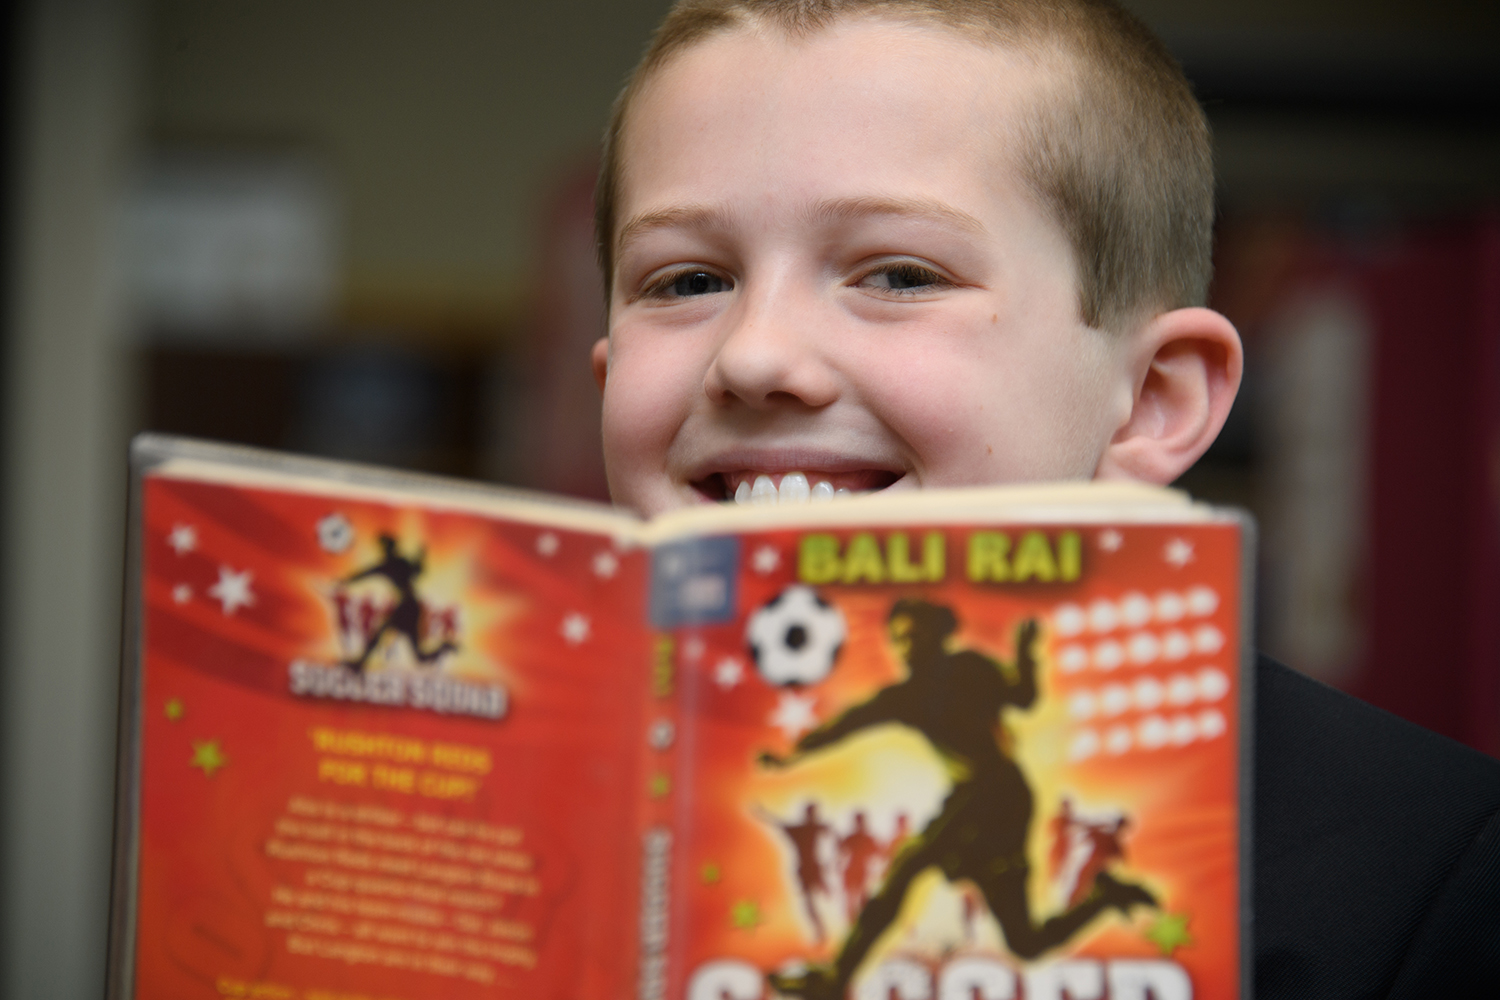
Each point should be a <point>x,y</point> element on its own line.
<point>1186,366</point>
<point>599,358</point>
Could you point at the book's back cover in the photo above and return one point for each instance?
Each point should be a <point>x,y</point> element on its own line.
<point>375,749</point>
<point>951,761</point>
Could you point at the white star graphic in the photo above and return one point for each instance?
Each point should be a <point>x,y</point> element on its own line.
<point>728,673</point>
<point>1179,552</point>
<point>794,714</point>
<point>765,560</point>
<point>183,539</point>
<point>182,593</point>
<point>605,564</point>
<point>1110,540</point>
<point>661,734</point>
<point>233,590</point>
<point>546,544</point>
<point>575,628</point>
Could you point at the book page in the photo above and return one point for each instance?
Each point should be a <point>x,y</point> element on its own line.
<point>919,760</point>
<point>387,747</point>
<point>1083,501</point>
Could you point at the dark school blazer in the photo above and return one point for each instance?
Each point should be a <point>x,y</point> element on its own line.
<point>1376,851</point>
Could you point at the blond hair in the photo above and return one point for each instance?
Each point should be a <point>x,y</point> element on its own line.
<point>1120,155</point>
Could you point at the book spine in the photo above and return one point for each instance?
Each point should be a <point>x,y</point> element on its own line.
<point>120,960</point>
<point>656,780</point>
<point>1249,542</point>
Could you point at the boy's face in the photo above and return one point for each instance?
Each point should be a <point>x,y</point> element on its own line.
<point>827,262</point>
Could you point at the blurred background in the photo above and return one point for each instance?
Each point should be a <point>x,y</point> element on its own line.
<point>362,229</point>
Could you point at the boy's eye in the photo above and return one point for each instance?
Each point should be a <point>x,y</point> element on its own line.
<point>685,284</point>
<point>904,278</point>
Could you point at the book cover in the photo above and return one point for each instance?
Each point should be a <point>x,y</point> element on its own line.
<point>387,738</point>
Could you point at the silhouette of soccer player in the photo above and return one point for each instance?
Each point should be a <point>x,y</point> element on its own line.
<point>888,850</point>
<point>899,838</point>
<point>954,700</point>
<point>858,851</point>
<point>369,613</point>
<point>805,838</point>
<point>405,618</point>
<point>1104,847</point>
<point>343,613</point>
<point>445,622</point>
<point>1062,836</point>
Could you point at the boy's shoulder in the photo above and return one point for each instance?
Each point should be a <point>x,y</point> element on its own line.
<point>1376,849</point>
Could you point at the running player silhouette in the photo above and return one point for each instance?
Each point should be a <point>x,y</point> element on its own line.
<point>405,618</point>
<point>805,838</point>
<point>1104,846</point>
<point>898,839</point>
<point>1062,836</point>
<point>954,700</point>
<point>859,852</point>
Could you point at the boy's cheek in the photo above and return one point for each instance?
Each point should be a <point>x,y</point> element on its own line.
<point>652,375</point>
<point>638,422</point>
<point>647,396</point>
<point>627,457</point>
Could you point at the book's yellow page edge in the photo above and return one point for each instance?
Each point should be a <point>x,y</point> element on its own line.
<point>179,458</point>
<point>1082,501</point>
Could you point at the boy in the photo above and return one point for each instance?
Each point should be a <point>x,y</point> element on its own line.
<point>872,244</point>
<point>870,251</point>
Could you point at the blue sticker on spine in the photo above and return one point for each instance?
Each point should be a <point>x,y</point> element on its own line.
<point>693,582</point>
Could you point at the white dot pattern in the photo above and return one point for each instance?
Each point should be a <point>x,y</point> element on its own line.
<point>1146,694</point>
<point>1135,609</point>
<point>1153,732</point>
<point>1114,700</point>
<point>1144,648</point>
<point>1107,653</point>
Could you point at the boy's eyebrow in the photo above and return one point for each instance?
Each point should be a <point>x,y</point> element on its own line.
<point>686,217</point>
<point>921,209</point>
<point>703,217</point>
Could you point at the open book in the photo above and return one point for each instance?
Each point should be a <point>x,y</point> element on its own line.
<point>389,737</point>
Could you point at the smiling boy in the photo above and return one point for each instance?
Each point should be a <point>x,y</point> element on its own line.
<point>863,247</point>
<point>875,244</point>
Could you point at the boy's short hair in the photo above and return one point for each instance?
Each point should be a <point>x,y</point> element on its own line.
<point>1118,149</point>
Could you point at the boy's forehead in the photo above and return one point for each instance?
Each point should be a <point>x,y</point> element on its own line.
<point>918,111</point>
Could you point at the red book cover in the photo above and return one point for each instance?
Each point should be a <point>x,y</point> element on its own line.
<point>388,738</point>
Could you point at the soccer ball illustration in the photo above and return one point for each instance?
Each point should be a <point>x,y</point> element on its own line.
<point>795,637</point>
<point>335,533</point>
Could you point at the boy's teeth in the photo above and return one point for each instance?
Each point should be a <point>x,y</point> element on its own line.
<point>794,489</point>
<point>764,491</point>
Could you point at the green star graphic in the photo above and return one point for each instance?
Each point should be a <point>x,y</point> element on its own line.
<point>1169,932</point>
<point>660,785</point>
<point>709,873</point>
<point>173,709</point>
<point>208,756</point>
<point>745,915</point>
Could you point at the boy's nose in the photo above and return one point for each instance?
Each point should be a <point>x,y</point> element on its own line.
<point>769,359</point>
